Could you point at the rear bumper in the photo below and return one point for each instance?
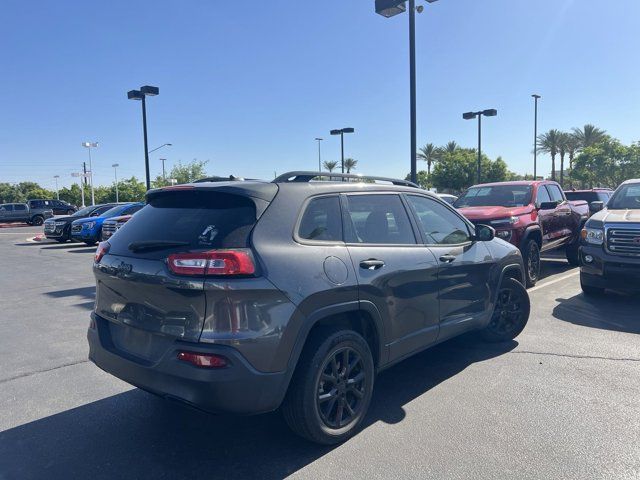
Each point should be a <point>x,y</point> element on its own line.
<point>609,271</point>
<point>237,388</point>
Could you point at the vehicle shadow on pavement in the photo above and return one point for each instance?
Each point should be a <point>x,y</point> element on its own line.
<point>617,312</point>
<point>84,250</point>
<point>65,246</point>
<point>137,435</point>
<point>550,266</point>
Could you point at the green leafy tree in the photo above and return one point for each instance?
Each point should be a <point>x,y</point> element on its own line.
<point>188,172</point>
<point>422,179</point>
<point>350,164</point>
<point>607,164</point>
<point>549,142</point>
<point>329,165</point>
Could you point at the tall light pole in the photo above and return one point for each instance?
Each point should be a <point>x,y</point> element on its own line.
<point>57,192</point>
<point>142,94</point>
<point>318,139</point>
<point>89,146</point>
<point>161,146</point>
<point>341,132</point>
<point>164,178</point>
<point>390,8</point>
<point>115,173</point>
<point>535,136</point>
<point>492,112</point>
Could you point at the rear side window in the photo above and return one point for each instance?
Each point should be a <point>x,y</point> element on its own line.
<point>322,220</point>
<point>131,210</point>
<point>20,207</point>
<point>7,208</point>
<point>201,220</point>
<point>379,219</point>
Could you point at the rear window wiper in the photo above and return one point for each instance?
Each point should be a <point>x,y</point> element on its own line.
<point>155,245</point>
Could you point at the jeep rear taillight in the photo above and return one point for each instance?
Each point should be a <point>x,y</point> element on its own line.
<point>102,250</point>
<point>212,262</point>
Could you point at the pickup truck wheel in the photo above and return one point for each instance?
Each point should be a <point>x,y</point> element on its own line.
<point>511,312</point>
<point>331,388</point>
<point>590,291</point>
<point>37,221</point>
<point>531,257</point>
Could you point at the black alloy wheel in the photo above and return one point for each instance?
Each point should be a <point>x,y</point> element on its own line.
<point>511,312</point>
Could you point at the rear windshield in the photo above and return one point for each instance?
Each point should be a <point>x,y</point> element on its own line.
<point>587,196</point>
<point>200,220</point>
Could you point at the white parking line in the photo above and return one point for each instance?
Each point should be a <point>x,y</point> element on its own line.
<point>555,280</point>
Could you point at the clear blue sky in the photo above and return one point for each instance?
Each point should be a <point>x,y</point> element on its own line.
<point>248,85</point>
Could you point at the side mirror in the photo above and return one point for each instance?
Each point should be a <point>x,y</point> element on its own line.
<point>596,206</point>
<point>548,205</point>
<point>485,233</point>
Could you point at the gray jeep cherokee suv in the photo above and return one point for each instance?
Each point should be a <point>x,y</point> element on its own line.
<point>246,296</point>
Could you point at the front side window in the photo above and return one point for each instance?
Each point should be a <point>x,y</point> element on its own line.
<point>378,219</point>
<point>543,195</point>
<point>555,193</point>
<point>322,220</point>
<point>439,225</point>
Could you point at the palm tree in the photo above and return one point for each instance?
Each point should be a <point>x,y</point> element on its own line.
<point>563,143</point>
<point>430,154</point>
<point>571,146</point>
<point>588,135</point>
<point>329,165</point>
<point>549,143</point>
<point>451,147</point>
<point>350,164</point>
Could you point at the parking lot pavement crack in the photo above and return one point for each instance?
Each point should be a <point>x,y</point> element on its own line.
<point>587,357</point>
<point>28,374</point>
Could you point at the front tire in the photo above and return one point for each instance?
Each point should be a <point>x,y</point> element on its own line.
<point>531,258</point>
<point>37,221</point>
<point>331,388</point>
<point>573,253</point>
<point>510,314</point>
<point>90,243</point>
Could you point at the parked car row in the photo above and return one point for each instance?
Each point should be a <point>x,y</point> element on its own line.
<point>86,225</point>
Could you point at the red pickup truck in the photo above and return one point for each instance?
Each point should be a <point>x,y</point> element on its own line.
<point>535,216</point>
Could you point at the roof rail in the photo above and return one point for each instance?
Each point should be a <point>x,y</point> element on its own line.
<point>292,177</point>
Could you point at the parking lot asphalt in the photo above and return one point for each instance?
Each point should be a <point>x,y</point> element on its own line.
<point>561,401</point>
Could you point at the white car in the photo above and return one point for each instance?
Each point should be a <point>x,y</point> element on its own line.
<point>447,197</point>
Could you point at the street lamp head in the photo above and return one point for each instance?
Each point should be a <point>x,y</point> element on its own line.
<point>390,8</point>
<point>348,130</point>
<point>150,91</point>
<point>492,112</point>
<point>335,132</point>
<point>469,115</point>
<point>56,176</point>
<point>90,144</point>
<point>135,95</point>
<point>115,165</point>
<point>536,96</point>
<point>319,139</point>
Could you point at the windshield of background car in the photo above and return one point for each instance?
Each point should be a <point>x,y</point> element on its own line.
<point>495,196</point>
<point>112,212</point>
<point>202,220</point>
<point>84,212</point>
<point>626,197</point>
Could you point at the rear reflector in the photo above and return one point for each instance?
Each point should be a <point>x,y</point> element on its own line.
<point>203,360</point>
<point>212,262</point>
<point>103,249</point>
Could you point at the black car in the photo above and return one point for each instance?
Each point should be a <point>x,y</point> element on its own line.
<point>59,228</point>
<point>245,296</point>
<point>59,207</point>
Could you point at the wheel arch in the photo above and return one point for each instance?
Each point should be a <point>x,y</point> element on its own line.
<point>532,233</point>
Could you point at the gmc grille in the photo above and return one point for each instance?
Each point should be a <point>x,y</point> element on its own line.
<point>108,229</point>
<point>624,241</point>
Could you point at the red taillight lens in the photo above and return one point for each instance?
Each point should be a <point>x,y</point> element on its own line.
<point>203,359</point>
<point>212,262</point>
<point>103,249</point>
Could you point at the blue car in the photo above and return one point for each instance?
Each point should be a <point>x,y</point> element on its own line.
<point>88,230</point>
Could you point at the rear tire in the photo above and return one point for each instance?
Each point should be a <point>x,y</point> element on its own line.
<point>37,221</point>
<point>531,258</point>
<point>331,388</point>
<point>510,314</point>
<point>61,240</point>
<point>90,243</point>
<point>70,212</point>
<point>589,290</point>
